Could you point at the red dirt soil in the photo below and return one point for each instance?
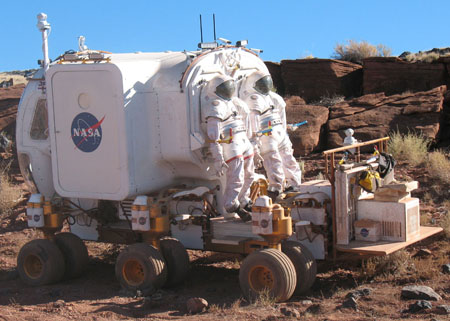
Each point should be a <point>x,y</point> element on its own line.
<point>97,294</point>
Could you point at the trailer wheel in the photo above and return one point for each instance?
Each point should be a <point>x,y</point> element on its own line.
<point>304,263</point>
<point>177,260</point>
<point>141,266</point>
<point>40,262</point>
<point>75,253</point>
<point>267,270</point>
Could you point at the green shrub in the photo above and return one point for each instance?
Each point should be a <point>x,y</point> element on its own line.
<point>354,51</point>
<point>410,147</point>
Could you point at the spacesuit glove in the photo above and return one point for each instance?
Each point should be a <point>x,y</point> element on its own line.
<point>291,127</point>
<point>258,160</point>
<point>220,166</point>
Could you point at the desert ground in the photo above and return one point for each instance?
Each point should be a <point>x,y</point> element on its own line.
<point>214,277</point>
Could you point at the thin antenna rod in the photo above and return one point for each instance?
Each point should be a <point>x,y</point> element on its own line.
<point>214,24</point>
<point>201,29</point>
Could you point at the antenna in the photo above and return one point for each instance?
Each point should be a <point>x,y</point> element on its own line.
<point>45,28</point>
<point>214,24</point>
<point>201,30</point>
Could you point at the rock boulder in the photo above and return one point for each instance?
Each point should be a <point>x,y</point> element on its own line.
<point>419,292</point>
<point>375,115</point>
<point>392,75</point>
<point>315,78</point>
<point>306,138</point>
<point>9,101</point>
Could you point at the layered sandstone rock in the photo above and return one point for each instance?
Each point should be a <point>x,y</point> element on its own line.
<point>376,115</point>
<point>444,134</point>
<point>394,76</point>
<point>9,101</point>
<point>308,137</point>
<point>313,79</point>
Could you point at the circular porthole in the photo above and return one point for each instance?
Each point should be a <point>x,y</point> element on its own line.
<point>84,101</point>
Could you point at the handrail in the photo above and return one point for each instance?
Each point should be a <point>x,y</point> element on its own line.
<point>340,149</point>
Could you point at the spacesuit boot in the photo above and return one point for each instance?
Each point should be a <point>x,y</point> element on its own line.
<point>273,194</point>
<point>244,214</point>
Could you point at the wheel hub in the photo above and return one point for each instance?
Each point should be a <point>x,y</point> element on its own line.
<point>33,266</point>
<point>133,272</point>
<point>261,278</point>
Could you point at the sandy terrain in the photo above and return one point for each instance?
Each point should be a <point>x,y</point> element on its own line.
<point>97,295</point>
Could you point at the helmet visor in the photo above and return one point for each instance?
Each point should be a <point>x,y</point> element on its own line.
<point>264,85</point>
<point>226,89</point>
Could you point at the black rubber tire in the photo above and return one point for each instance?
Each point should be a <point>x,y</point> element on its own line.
<point>304,263</point>
<point>177,260</point>
<point>272,262</point>
<point>75,254</point>
<point>150,263</point>
<point>40,262</point>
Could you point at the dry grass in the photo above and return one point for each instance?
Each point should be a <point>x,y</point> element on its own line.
<point>424,219</point>
<point>236,305</point>
<point>427,57</point>
<point>425,269</point>
<point>354,51</point>
<point>396,263</point>
<point>445,224</point>
<point>439,166</point>
<point>329,101</point>
<point>410,147</point>
<point>301,165</point>
<point>264,299</point>
<point>9,193</point>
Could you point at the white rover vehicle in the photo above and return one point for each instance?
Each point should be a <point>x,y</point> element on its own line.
<point>113,144</point>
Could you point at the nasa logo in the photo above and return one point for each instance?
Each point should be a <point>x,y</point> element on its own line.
<point>364,232</point>
<point>36,217</point>
<point>264,223</point>
<point>86,132</point>
<point>142,220</point>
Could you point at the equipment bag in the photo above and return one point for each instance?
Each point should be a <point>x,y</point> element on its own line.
<point>369,180</point>
<point>386,164</point>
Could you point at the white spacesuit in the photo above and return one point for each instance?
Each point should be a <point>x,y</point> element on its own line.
<point>268,122</point>
<point>226,118</point>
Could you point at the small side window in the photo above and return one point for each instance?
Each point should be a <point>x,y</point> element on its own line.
<point>39,125</point>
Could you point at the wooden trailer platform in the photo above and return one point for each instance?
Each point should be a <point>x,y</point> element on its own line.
<point>381,248</point>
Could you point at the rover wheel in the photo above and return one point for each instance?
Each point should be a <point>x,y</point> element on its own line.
<point>177,260</point>
<point>141,267</point>
<point>75,253</point>
<point>40,262</point>
<point>304,263</point>
<point>267,270</point>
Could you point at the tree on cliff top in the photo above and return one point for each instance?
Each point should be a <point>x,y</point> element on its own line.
<point>354,51</point>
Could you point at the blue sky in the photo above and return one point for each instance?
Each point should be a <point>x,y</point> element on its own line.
<point>283,29</point>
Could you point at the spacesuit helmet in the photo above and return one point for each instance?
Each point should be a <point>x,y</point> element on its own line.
<point>259,81</point>
<point>264,85</point>
<point>223,86</point>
